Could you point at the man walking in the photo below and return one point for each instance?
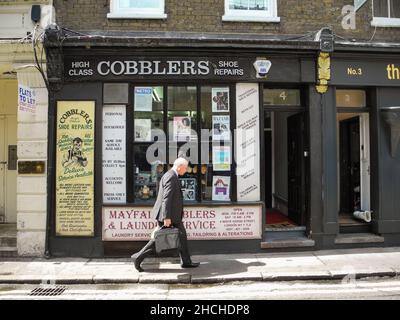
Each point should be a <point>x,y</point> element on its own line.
<point>168,210</point>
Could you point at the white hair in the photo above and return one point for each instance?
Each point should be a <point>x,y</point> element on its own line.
<point>180,162</point>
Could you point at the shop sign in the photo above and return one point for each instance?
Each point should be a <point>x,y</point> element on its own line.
<point>247,142</point>
<point>201,223</point>
<point>101,68</point>
<point>374,73</point>
<point>75,168</point>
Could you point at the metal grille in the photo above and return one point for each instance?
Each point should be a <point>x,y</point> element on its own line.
<point>49,291</point>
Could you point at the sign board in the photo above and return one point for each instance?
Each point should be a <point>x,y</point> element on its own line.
<point>128,67</point>
<point>75,168</point>
<point>201,223</point>
<point>100,66</point>
<point>369,73</point>
<point>26,99</point>
<point>114,154</point>
<point>247,142</point>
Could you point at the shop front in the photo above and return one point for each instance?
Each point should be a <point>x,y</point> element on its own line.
<point>120,117</point>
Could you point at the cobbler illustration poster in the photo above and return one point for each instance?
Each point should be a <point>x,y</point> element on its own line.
<point>75,168</point>
<point>220,188</point>
<point>221,126</point>
<point>220,99</point>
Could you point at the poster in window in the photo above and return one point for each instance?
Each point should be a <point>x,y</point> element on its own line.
<point>220,188</point>
<point>221,125</point>
<point>182,128</point>
<point>114,154</point>
<point>188,187</point>
<point>75,168</point>
<point>220,99</point>
<point>143,98</point>
<point>143,130</point>
<point>221,158</point>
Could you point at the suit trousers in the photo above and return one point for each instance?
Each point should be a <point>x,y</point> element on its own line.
<point>150,247</point>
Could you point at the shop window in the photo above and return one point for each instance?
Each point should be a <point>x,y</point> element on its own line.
<point>282,97</point>
<point>137,9</point>
<point>351,99</point>
<point>148,112</point>
<point>182,120</point>
<point>146,175</point>
<point>251,10</point>
<point>386,13</point>
<point>217,150</point>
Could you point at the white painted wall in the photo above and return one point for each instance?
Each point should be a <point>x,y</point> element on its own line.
<point>32,190</point>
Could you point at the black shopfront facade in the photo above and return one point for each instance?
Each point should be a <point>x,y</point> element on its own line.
<point>245,192</point>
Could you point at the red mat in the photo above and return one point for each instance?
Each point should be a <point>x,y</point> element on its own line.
<point>277,217</point>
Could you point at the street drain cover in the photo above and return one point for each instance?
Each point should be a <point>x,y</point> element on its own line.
<point>48,291</point>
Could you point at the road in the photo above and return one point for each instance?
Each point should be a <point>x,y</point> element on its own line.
<point>372,288</point>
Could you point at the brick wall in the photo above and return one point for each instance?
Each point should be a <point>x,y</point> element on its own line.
<point>297,17</point>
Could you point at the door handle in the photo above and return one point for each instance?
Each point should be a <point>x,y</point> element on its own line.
<point>3,162</point>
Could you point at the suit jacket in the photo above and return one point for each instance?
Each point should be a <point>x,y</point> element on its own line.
<point>169,203</point>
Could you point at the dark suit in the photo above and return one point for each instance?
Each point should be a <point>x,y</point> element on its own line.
<point>169,205</point>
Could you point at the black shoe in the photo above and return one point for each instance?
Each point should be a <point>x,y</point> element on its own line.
<point>190,265</point>
<point>137,262</point>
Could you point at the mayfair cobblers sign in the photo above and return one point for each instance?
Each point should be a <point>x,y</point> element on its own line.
<point>201,223</point>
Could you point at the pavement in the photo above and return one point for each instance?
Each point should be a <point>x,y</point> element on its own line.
<point>345,264</point>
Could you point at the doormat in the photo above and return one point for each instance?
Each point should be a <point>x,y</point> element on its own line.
<point>276,219</point>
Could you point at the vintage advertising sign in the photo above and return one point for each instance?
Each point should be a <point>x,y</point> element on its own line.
<point>26,99</point>
<point>75,168</point>
<point>114,154</point>
<point>247,142</point>
<point>201,223</point>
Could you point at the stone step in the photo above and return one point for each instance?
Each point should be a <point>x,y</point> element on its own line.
<point>353,238</point>
<point>6,241</point>
<point>288,243</point>
<point>8,252</point>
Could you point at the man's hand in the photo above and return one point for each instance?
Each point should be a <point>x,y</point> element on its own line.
<point>167,222</point>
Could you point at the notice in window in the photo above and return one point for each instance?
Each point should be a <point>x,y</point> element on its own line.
<point>220,99</point>
<point>220,188</point>
<point>247,142</point>
<point>221,158</point>
<point>114,154</point>
<point>75,168</point>
<point>143,98</point>
<point>182,128</point>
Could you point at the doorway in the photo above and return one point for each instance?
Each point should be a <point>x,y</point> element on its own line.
<point>8,149</point>
<point>286,188</point>
<point>354,172</point>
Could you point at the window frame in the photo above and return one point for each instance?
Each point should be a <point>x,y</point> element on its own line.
<point>384,21</point>
<point>116,12</point>
<point>252,15</point>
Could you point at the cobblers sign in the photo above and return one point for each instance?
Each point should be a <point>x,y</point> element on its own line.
<point>201,223</point>
<point>78,68</point>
